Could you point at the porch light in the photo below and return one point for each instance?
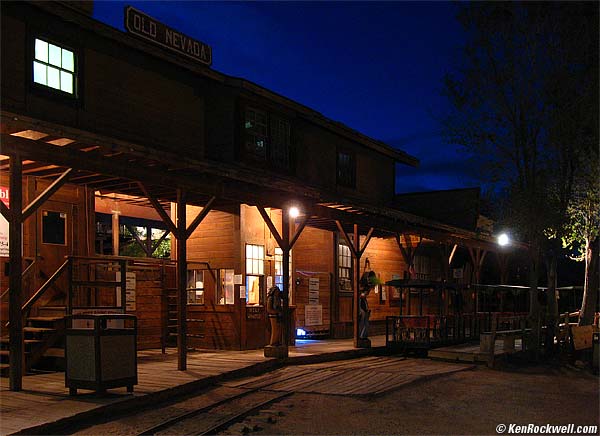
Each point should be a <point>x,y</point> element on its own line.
<point>294,212</point>
<point>503,240</point>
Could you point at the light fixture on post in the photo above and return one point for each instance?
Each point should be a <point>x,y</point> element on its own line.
<point>503,239</point>
<point>294,212</point>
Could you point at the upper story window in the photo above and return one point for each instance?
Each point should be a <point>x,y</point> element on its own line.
<point>267,138</point>
<point>346,169</point>
<point>54,67</point>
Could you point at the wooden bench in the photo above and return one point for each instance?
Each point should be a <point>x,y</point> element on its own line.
<point>487,340</point>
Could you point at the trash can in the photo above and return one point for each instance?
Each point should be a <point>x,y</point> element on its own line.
<point>100,352</point>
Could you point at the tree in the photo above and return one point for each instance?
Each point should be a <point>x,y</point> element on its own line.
<point>522,107</point>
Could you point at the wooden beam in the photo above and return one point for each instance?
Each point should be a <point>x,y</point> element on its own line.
<point>161,212</point>
<point>299,230</point>
<point>48,192</point>
<point>367,240</point>
<point>15,315</point>
<point>5,211</point>
<point>347,238</point>
<point>267,219</point>
<point>181,281</point>
<point>116,233</point>
<point>355,301</point>
<point>205,210</point>
<point>405,254</point>
<point>285,248</point>
<point>159,241</point>
<point>138,240</point>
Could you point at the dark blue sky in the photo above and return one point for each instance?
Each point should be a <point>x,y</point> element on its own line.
<point>375,66</point>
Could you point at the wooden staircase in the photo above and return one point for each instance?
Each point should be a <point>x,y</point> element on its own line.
<point>43,341</point>
<point>194,324</point>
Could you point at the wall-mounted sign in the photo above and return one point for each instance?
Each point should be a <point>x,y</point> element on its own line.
<point>238,279</point>
<point>253,312</point>
<point>146,27</point>
<point>4,248</point>
<point>313,314</point>
<point>130,285</point>
<point>313,284</point>
<point>313,297</point>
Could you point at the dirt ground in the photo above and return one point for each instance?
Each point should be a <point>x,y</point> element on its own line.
<point>472,402</point>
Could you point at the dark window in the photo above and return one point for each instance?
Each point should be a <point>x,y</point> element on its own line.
<point>280,142</point>
<point>54,225</point>
<point>346,169</point>
<point>255,126</point>
<point>267,138</point>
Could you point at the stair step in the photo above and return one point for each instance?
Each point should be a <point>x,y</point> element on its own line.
<point>55,352</point>
<point>59,311</point>
<point>45,318</point>
<point>38,329</point>
<point>6,353</point>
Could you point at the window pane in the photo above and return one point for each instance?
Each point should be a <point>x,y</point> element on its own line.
<point>53,227</point>
<point>68,62</point>
<point>53,78</point>
<point>66,82</point>
<point>248,251</point>
<point>41,50</point>
<point>39,73</point>
<point>248,265</point>
<point>54,55</point>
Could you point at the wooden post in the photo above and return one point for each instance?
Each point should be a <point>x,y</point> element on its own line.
<point>356,284</point>
<point>15,315</point>
<point>115,233</point>
<point>285,249</point>
<point>181,281</point>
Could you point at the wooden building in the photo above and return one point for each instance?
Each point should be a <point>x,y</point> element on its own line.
<point>111,137</point>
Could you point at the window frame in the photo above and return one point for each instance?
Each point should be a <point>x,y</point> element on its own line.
<point>195,289</point>
<point>276,146</point>
<point>220,291</point>
<point>48,91</point>
<point>251,272</point>
<point>345,177</point>
<point>340,268</point>
<point>64,244</point>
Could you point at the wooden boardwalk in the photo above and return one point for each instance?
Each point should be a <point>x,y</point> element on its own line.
<point>45,399</point>
<point>469,352</point>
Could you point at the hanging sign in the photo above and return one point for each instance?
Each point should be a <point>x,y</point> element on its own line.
<point>144,26</point>
<point>130,285</point>
<point>4,197</point>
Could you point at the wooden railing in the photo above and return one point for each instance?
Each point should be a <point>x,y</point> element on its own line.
<point>24,274</point>
<point>426,331</point>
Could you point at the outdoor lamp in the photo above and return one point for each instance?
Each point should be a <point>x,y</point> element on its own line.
<point>503,239</point>
<point>294,212</point>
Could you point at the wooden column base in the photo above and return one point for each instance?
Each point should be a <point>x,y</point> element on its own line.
<point>363,343</point>
<point>276,351</point>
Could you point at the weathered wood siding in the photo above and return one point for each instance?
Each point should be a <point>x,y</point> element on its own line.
<point>122,92</point>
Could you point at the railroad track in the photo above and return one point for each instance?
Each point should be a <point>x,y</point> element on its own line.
<point>211,419</point>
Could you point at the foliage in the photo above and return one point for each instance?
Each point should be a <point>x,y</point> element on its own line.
<point>130,247</point>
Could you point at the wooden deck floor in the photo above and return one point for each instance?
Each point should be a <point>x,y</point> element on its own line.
<point>469,352</point>
<point>45,399</point>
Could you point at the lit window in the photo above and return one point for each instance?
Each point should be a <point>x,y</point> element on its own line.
<point>255,269</point>
<point>225,290</point>
<point>54,67</point>
<point>344,268</point>
<point>195,286</point>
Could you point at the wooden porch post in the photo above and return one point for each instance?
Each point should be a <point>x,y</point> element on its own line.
<point>181,281</point>
<point>15,315</point>
<point>115,233</point>
<point>285,249</point>
<point>355,285</point>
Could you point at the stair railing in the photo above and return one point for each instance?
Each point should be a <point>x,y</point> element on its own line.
<point>29,303</point>
<point>24,274</point>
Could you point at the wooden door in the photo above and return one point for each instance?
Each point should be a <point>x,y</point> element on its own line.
<point>55,242</point>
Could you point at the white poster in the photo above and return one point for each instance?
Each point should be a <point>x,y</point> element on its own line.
<point>313,284</point>
<point>313,314</point>
<point>129,290</point>
<point>4,197</point>
<point>313,297</point>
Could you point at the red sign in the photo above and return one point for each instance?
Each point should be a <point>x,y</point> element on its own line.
<point>4,195</point>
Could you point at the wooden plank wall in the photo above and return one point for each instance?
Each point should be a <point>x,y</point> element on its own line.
<point>216,241</point>
<point>302,293</point>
